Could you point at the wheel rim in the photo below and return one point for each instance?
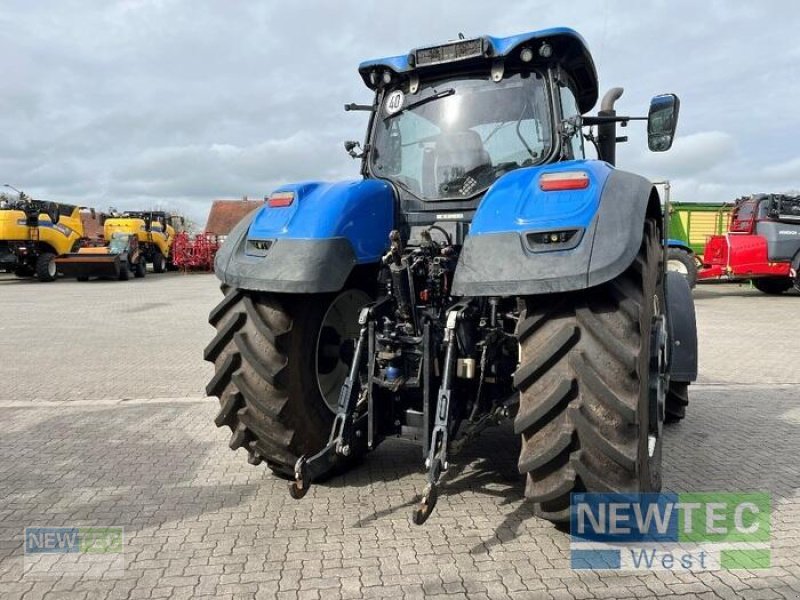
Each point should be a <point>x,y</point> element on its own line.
<point>677,266</point>
<point>51,267</point>
<point>658,382</point>
<point>339,325</point>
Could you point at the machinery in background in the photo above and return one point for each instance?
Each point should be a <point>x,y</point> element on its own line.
<point>762,244</point>
<point>691,224</point>
<point>197,253</point>
<point>120,257</point>
<point>154,230</point>
<point>34,232</point>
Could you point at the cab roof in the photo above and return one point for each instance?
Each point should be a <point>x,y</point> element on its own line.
<point>569,51</point>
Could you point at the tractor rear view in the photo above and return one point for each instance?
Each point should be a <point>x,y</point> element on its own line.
<point>762,244</point>
<point>482,269</point>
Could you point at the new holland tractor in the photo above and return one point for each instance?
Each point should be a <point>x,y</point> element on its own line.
<point>482,269</point>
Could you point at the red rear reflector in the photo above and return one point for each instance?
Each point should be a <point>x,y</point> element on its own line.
<point>566,180</point>
<point>280,199</point>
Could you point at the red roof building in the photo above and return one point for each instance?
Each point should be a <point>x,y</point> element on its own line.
<point>225,214</point>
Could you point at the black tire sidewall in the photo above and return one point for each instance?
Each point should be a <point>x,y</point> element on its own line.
<point>307,317</point>
<point>688,261</point>
<point>159,262</point>
<point>124,271</point>
<point>43,267</point>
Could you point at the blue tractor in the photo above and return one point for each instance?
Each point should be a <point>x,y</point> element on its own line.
<point>480,270</point>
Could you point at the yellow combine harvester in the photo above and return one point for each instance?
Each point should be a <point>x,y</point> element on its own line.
<point>33,233</point>
<point>154,230</point>
<point>119,258</point>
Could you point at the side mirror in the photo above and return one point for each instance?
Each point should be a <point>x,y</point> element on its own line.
<point>353,149</point>
<point>662,121</point>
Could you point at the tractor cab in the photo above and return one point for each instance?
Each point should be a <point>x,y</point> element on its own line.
<point>448,121</point>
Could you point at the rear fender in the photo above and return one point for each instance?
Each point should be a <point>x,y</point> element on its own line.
<point>500,259</point>
<point>311,245</point>
<point>682,328</point>
<point>680,245</point>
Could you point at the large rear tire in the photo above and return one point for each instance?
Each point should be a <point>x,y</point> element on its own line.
<point>682,262</point>
<point>268,376</point>
<point>585,388</point>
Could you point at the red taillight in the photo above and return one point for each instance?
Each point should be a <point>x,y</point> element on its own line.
<point>565,180</point>
<point>280,199</point>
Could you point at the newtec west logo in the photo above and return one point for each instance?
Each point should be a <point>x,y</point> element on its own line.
<point>696,532</point>
<point>69,540</point>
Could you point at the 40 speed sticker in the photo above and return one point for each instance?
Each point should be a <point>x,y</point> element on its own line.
<point>394,102</point>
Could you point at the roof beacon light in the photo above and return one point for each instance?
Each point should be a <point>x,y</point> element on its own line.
<point>563,181</point>
<point>526,55</point>
<point>545,50</point>
<point>280,199</point>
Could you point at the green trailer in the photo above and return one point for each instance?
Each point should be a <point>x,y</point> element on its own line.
<point>693,223</point>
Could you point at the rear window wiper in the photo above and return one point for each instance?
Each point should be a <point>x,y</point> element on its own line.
<point>431,98</point>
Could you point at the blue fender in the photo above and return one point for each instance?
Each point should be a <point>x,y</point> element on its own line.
<point>311,245</point>
<point>673,243</point>
<point>508,251</point>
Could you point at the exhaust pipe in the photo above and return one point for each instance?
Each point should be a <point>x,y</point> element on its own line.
<point>607,132</point>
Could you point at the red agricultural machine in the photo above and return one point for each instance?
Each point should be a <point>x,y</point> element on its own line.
<point>197,253</point>
<point>762,244</point>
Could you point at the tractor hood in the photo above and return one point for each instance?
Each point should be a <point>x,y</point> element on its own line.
<point>559,46</point>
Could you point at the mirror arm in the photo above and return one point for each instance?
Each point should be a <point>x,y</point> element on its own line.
<point>354,106</point>
<point>598,119</point>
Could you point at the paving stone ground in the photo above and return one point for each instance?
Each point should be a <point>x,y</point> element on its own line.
<point>104,424</point>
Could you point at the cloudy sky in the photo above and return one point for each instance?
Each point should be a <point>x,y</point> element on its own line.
<point>147,103</point>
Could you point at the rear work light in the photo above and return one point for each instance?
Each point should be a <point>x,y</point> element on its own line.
<point>565,180</point>
<point>280,199</point>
